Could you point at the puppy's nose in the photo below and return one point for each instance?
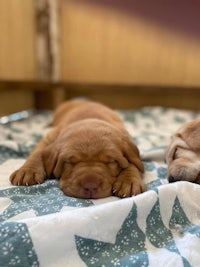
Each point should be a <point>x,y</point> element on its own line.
<point>171,179</point>
<point>90,189</point>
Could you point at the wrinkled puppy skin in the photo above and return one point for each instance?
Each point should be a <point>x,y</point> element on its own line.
<point>89,151</point>
<point>183,154</point>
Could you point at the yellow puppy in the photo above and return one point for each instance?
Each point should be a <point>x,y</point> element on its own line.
<point>183,154</point>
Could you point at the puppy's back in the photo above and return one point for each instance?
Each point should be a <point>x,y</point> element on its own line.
<point>72,111</point>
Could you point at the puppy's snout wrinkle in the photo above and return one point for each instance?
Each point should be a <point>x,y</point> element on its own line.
<point>88,149</point>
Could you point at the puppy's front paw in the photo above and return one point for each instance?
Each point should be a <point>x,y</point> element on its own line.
<point>27,176</point>
<point>128,187</point>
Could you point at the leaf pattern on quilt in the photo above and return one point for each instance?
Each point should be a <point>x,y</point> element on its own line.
<point>178,217</point>
<point>162,172</point>
<point>22,151</point>
<point>193,230</point>
<point>154,184</point>
<point>128,249</point>
<point>8,153</point>
<point>161,236</point>
<point>16,247</point>
<point>180,222</point>
<point>157,233</point>
<point>149,166</point>
<point>44,199</point>
<point>153,169</point>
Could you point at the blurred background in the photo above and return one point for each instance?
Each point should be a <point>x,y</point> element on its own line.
<point>127,54</point>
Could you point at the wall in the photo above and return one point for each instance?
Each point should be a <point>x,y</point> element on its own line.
<point>135,43</point>
<point>111,41</point>
<point>17,52</point>
<point>17,49</point>
<point>131,42</point>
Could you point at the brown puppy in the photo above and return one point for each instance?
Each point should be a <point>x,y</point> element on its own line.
<point>89,150</point>
<point>183,154</point>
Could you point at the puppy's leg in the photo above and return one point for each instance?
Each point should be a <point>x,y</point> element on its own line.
<point>129,183</point>
<point>33,170</point>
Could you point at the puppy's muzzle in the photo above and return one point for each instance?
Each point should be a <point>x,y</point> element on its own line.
<point>90,188</point>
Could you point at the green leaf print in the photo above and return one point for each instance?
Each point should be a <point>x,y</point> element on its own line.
<point>16,247</point>
<point>128,249</point>
<point>44,199</point>
<point>159,235</point>
<point>180,221</point>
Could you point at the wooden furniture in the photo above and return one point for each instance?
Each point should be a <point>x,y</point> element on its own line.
<point>126,54</point>
<point>21,95</point>
<point>130,42</point>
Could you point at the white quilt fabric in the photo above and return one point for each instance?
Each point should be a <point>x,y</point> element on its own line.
<point>40,226</point>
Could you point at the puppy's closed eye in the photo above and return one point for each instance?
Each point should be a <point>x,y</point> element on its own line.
<point>114,159</point>
<point>175,155</point>
<point>113,163</point>
<point>72,160</point>
<point>174,147</point>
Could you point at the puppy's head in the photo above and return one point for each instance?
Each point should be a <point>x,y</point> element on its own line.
<point>183,162</point>
<point>90,156</point>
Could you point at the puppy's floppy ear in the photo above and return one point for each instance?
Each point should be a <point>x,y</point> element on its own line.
<point>131,152</point>
<point>53,161</point>
<point>176,142</point>
<point>190,133</point>
<point>50,158</point>
<point>50,152</point>
<point>59,166</point>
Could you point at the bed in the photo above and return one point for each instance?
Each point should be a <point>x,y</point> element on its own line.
<point>40,226</point>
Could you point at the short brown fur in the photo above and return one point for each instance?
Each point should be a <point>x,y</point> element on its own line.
<point>183,153</point>
<point>89,151</point>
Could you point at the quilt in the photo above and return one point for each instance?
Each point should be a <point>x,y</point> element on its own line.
<point>40,226</point>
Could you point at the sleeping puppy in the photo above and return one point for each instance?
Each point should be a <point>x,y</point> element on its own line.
<point>183,154</point>
<point>89,151</point>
